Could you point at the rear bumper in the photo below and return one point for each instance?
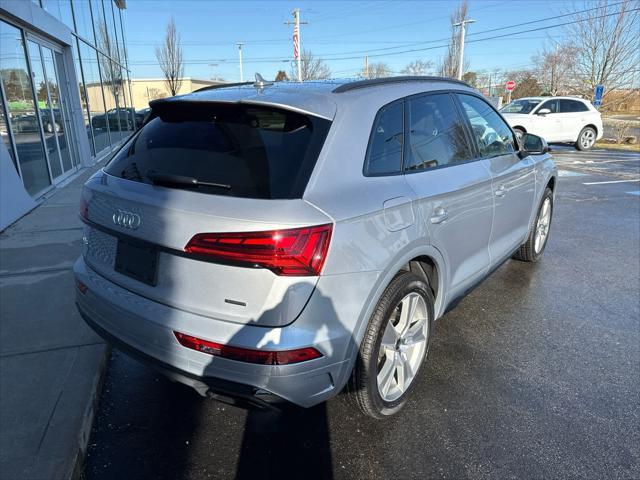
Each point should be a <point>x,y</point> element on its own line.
<point>144,329</point>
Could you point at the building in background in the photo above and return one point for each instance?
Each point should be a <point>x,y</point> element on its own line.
<point>51,53</point>
<point>144,90</point>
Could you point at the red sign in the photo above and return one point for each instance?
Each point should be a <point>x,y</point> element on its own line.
<point>510,85</point>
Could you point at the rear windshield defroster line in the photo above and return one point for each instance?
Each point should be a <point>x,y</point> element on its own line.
<point>224,149</point>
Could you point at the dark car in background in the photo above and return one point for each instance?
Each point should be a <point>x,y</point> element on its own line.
<point>28,121</point>
<point>116,118</point>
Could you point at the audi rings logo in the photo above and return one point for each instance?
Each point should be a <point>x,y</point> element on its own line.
<point>126,219</point>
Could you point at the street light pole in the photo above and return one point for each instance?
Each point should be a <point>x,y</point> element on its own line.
<point>462,25</point>
<point>239,44</point>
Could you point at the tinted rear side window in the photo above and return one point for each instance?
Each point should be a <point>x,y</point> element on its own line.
<point>384,155</point>
<point>572,106</point>
<point>257,152</point>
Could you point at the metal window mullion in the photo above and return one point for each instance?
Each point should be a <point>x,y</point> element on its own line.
<point>35,101</point>
<point>86,97</point>
<point>7,120</point>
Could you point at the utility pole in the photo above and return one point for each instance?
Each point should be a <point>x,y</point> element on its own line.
<point>213,65</point>
<point>366,66</point>
<point>297,48</point>
<point>239,44</point>
<point>463,26</point>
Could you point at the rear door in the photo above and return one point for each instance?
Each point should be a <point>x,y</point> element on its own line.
<point>453,188</point>
<point>575,115</point>
<point>513,178</point>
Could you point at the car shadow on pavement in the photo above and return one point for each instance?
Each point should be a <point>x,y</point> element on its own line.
<point>293,442</point>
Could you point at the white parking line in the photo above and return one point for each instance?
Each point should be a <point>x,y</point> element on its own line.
<point>610,181</point>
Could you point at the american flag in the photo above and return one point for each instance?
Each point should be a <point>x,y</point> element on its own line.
<point>296,42</point>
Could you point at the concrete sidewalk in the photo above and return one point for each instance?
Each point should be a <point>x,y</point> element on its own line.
<point>51,363</point>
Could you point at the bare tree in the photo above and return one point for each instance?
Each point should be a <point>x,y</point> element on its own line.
<point>111,73</point>
<point>449,63</point>
<point>418,67</point>
<point>527,84</point>
<point>170,58</point>
<point>554,66</point>
<point>377,70</point>
<point>313,68</point>
<point>606,47</point>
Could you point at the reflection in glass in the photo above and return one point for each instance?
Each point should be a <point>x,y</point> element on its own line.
<point>61,9</point>
<point>83,98</point>
<point>54,93</point>
<point>84,23</point>
<point>99,22</point>
<point>111,79</point>
<point>47,117</point>
<point>95,96</point>
<point>21,110</point>
<point>114,51</point>
<point>4,133</point>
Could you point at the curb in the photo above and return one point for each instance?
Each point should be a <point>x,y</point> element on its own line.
<point>77,463</point>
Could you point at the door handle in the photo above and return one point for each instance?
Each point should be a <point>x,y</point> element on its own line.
<point>439,215</point>
<point>501,191</point>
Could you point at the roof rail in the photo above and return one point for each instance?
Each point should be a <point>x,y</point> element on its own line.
<point>222,85</point>
<point>345,87</point>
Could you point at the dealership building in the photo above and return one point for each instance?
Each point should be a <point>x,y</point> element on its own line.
<point>51,53</point>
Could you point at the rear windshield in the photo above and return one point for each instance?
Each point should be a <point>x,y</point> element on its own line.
<point>237,150</point>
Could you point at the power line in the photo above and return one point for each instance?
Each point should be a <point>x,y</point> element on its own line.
<point>327,56</point>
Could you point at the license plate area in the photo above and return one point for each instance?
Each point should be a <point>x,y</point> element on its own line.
<point>137,260</point>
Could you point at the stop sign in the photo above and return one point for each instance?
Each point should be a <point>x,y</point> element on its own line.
<point>510,85</point>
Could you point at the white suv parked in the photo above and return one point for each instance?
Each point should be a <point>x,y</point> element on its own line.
<point>556,119</point>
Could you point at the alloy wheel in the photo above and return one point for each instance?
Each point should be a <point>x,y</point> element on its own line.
<point>542,225</point>
<point>403,346</point>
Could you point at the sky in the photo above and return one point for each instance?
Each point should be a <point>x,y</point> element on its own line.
<point>339,32</point>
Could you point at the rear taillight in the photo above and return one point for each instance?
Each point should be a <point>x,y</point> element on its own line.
<point>291,252</point>
<point>262,357</point>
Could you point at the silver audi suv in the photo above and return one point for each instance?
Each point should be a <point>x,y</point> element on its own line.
<point>281,243</point>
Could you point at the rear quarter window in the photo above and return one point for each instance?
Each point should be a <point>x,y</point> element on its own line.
<point>384,153</point>
<point>257,152</point>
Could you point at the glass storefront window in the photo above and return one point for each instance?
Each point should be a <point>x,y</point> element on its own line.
<point>61,9</point>
<point>110,81</point>
<point>58,124</point>
<point>120,30</point>
<point>95,96</point>
<point>47,113</point>
<point>83,99</point>
<point>100,25</point>
<point>114,51</point>
<point>4,134</point>
<point>21,108</point>
<point>84,23</point>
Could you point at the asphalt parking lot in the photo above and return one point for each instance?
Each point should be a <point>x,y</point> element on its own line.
<point>536,374</point>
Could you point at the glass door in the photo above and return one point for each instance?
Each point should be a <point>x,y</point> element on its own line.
<point>52,101</point>
<point>22,119</point>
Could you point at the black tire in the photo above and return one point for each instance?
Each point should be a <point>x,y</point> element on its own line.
<point>581,144</point>
<point>363,385</point>
<point>527,251</point>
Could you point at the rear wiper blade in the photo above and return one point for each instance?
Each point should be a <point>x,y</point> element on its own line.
<point>180,180</point>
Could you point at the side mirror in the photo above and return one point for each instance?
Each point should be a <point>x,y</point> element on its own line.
<point>543,111</point>
<point>533,144</point>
